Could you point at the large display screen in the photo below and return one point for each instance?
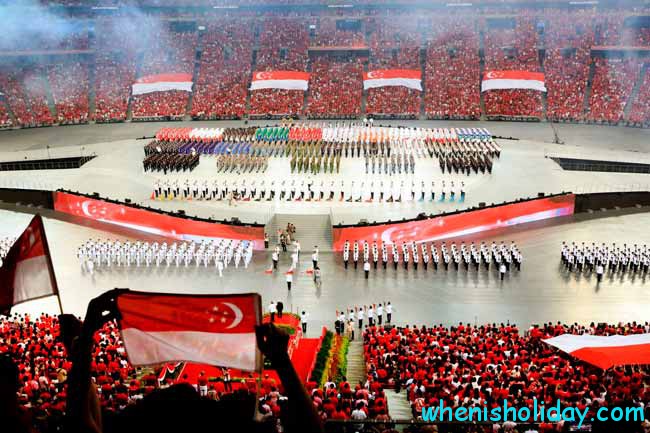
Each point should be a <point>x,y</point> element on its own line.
<point>153,222</point>
<point>460,224</point>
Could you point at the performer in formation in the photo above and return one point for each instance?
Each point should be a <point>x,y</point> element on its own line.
<point>465,256</point>
<point>347,318</point>
<point>310,190</point>
<point>600,259</point>
<point>218,253</point>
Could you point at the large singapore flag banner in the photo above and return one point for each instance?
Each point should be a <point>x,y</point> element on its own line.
<point>162,83</point>
<point>498,80</point>
<point>288,80</point>
<point>215,330</point>
<point>460,224</point>
<point>411,78</point>
<point>152,222</point>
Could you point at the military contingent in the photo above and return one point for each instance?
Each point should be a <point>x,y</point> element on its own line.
<point>242,163</point>
<point>601,259</point>
<point>505,258</point>
<point>168,163</point>
<point>309,190</point>
<point>217,253</point>
<point>319,147</point>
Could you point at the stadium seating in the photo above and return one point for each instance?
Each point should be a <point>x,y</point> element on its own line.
<point>5,120</point>
<point>169,52</point>
<point>481,365</point>
<point>393,46</point>
<point>512,46</point>
<point>568,38</point>
<point>640,112</point>
<point>114,75</point>
<point>224,73</point>
<point>335,88</point>
<point>612,86</point>
<point>583,85</point>
<point>69,85</point>
<point>285,50</point>
<point>453,64</point>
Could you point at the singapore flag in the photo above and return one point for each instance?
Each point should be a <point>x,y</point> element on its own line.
<point>411,78</point>
<point>217,330</point>
<point>495,80</point>
<point>288,80</point>
<point>26,273</point>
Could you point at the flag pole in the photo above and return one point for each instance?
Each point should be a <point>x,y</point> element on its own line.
<point>48,256</point>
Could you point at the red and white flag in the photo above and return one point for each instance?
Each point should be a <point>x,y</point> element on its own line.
<point>496,80</point>
<point>162,83</point>
<point>217,330</point>
<point>288,80</point>
<point>26,273</point>
<point>605,352</point>
<point>411,78</point>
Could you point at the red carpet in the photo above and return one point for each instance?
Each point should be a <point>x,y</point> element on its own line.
<point>304,355</point>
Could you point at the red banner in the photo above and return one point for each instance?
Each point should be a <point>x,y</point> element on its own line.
<point>152,222</point>
<point>461,224</point>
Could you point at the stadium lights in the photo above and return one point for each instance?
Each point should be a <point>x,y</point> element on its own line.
<point>340,6</point>
<point>225,7</point>
<point>585,2</point>
<point>459,5</point>
<point>105,8</point>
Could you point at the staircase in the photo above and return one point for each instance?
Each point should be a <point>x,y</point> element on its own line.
<point>398,406</point>
<point>195,76</point>
<point>138,66</point>
<point>92,69</point>
<point>590,80</point>
<point>481,56</point>
<point>48,93</point>
<point>4,102</point>
<point>364,94</point>
<point>356,366</point>
<point>423,66</point>
<point>248,94</point>
<point>541,53</point>
<point>310,230</point>
<point>635,91</point>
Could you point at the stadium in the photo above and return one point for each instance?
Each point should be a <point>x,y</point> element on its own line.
<point>324,216</point>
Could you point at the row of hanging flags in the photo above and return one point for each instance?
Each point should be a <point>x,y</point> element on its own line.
<point>295,80</point>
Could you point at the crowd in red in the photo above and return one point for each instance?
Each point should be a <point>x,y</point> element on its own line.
<point>280,50</point>
<point>335,88</point>
<point>221,87</point>
<point>69,85</point>
<point>640,111</point>
<point>343,401</point>
<point>611,88</point>
<point>568,39</point>
<point>469,366</point>
<point>328,34</point>
<point>168,52</point>
<point>394,45</point>
<point>513,46</point>
<point>452,71</point>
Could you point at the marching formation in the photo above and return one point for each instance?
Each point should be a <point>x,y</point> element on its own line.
<point>504,257</point>
<point>220,253</point>
<point>309,190</point>
<point>603,258</point>
<point>318,147</point>
<point>166,162</point>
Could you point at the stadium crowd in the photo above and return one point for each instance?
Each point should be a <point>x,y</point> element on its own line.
<point>467,365</point>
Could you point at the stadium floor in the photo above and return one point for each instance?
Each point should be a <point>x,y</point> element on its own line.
<point>538,293</point>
